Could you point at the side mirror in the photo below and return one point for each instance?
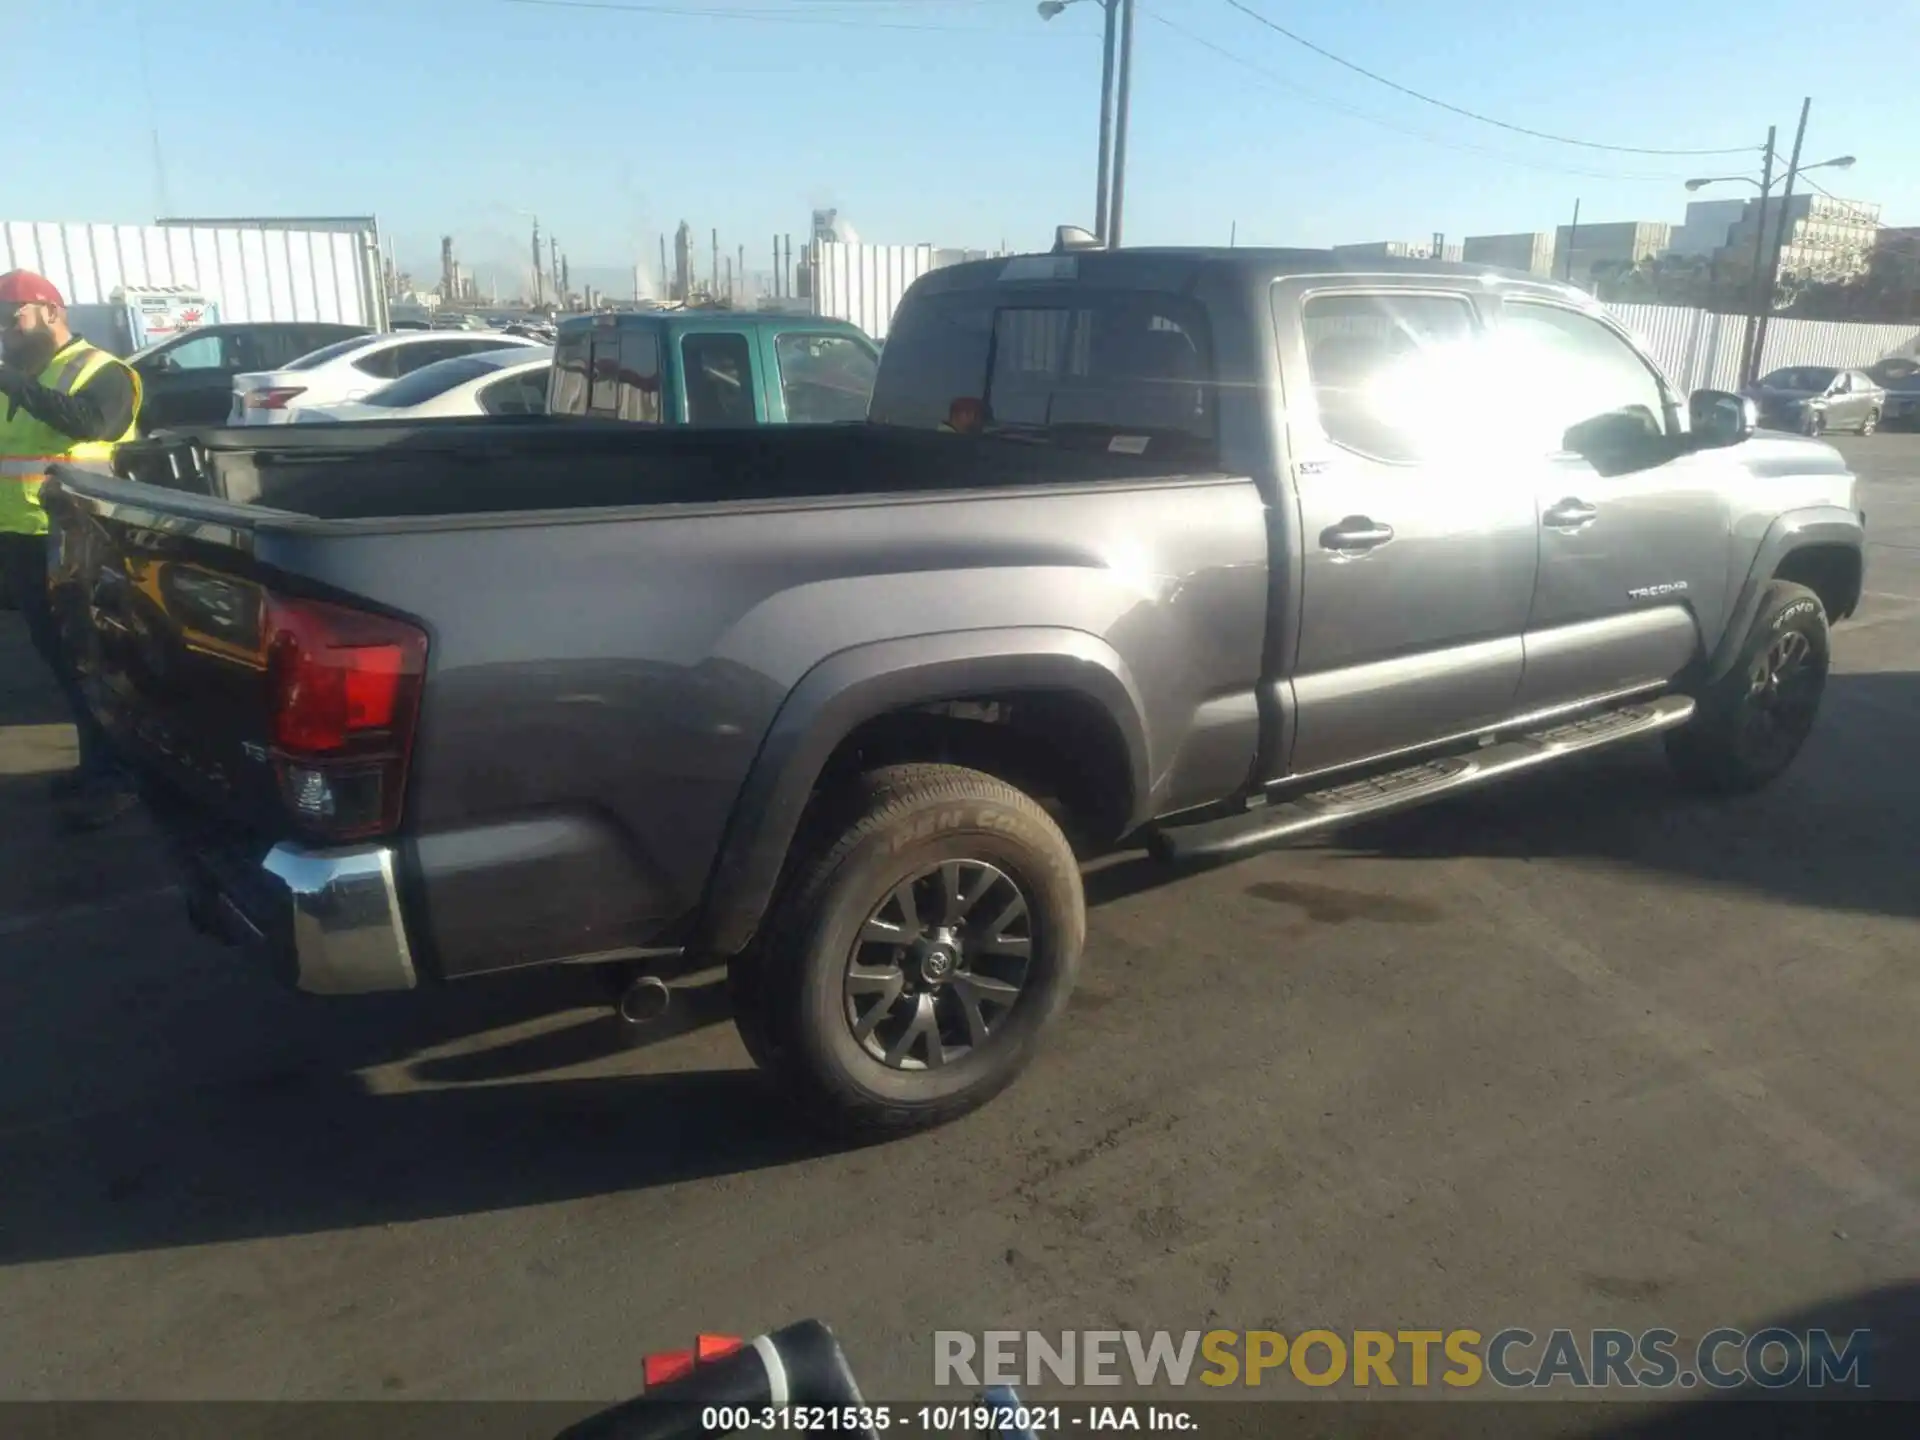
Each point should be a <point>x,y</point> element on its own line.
<point>1717,419</point>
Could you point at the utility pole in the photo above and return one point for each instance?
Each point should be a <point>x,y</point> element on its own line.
<point>1573,239</point>
<point>1750,331</point>
<point>1779,242</point>
<point>1112,238</point>
<point>537,296</point>
<point>1103,204</point>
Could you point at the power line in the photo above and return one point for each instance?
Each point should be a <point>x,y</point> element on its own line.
<point>1300,91</point>
<point>770,17</point>
<point>1301,40</point>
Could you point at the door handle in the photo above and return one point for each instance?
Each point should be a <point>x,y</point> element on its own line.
<point>1355,533</point>
<point>1570,515</point>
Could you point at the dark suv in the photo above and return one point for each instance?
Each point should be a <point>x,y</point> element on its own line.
<point>188,379</point>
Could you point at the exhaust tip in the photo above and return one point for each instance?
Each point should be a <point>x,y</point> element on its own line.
<point>645,1001</point>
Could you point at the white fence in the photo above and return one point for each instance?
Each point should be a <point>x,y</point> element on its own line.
<point>865,283</point>
<point>251,273</point>
<point>1697,349</point>
<point>1701,350</point>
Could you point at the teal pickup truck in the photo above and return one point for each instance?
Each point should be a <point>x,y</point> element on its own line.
<point>712,368</point>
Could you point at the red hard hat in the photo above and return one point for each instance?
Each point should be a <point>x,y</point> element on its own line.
<point>23,287</point>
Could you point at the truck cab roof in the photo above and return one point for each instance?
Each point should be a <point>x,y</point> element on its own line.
<point>1176,268</point>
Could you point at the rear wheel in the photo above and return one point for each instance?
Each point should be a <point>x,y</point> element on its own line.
<point>906,974</point>
<point>1751,723</point>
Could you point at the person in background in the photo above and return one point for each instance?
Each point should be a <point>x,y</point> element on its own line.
<point>60,399</point>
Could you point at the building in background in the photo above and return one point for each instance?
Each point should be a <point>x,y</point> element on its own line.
<point>1707,226</point>
<point>1397,250</point>
<point>1621,243</point>
<point>1530,252</point>
<point>1828,241</point>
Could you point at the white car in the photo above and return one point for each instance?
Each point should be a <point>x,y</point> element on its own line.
<point>511,381</point>
<point>351,370</point>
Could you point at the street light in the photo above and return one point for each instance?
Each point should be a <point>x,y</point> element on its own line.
<point>1113,145</point>
<point>1839,162</point>
<point>1767,276</point>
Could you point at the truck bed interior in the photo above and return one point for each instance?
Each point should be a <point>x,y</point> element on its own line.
<point>471,467</point>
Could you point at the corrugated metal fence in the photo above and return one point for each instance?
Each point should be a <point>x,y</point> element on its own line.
<point>1701,350</point>
<point>1697,349</point>
<point>250,273</point>
<point>865,283</point>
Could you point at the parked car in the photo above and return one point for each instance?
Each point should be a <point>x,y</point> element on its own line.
<point>349,370</point>
<point>1813,399</point>
<point>512,381</point>
<point>1899,377</point>
<point>188,378</point>
<point>1198,548</point>
<point>712,368</point>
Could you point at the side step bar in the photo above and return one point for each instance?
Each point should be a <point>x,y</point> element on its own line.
<point>1399,789</point>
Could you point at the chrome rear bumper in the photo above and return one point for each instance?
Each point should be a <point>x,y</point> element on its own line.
<point>326,921</point>
<point>349,937</point>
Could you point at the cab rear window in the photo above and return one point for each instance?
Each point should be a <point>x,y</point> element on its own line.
<point>1113,369</point>
<point>610,372</point>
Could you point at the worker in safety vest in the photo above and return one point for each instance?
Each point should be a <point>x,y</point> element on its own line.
<point>60,399</point>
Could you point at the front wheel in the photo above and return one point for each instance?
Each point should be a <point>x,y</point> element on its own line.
<point>1871,423</point>
<point>1815,425</point>
<point>1751,723</point>
<point>907,972</point>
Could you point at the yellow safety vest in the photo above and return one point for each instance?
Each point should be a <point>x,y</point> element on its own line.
<point>29,445</point>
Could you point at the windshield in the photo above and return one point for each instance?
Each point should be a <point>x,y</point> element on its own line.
<point>317,358</point>
<point>430,381</point>
<point>1802,377</point>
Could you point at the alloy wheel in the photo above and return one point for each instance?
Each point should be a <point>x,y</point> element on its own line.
<point>1783,696</point>
<point>939,965</point>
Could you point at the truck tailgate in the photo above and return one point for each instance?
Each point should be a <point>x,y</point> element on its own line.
<point>266,714</point>
<point>167,628</point>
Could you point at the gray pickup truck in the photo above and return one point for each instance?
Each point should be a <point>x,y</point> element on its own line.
<point>1199,549</point>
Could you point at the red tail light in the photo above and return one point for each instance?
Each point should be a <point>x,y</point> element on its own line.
<point>671,1365</point>
<point>274,399</point>
<point>344,695</point>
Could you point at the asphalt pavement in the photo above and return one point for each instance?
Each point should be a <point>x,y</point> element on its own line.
<point>1578,1052</point>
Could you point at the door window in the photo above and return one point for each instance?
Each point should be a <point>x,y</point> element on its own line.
<point>719,374</point>
<point>1566,382</point>
<point>203,352</point>
<point>381,364</point>
<point>517,394</point>
<point>1388,372</point>
<point>824,378</point>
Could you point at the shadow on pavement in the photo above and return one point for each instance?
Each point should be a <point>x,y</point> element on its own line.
<point>302,1152</point>
<point>1837,833</point>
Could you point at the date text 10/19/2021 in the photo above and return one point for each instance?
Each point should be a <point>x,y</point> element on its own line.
<point>944,1419</point>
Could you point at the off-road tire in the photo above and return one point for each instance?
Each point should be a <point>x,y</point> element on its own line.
<point>1721,750</point>
<point>790,988</point>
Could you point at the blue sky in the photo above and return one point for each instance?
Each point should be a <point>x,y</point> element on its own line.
<point>961,122</point>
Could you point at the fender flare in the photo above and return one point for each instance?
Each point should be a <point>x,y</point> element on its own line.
<point>1794,530</point>
<point>855,685</point>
